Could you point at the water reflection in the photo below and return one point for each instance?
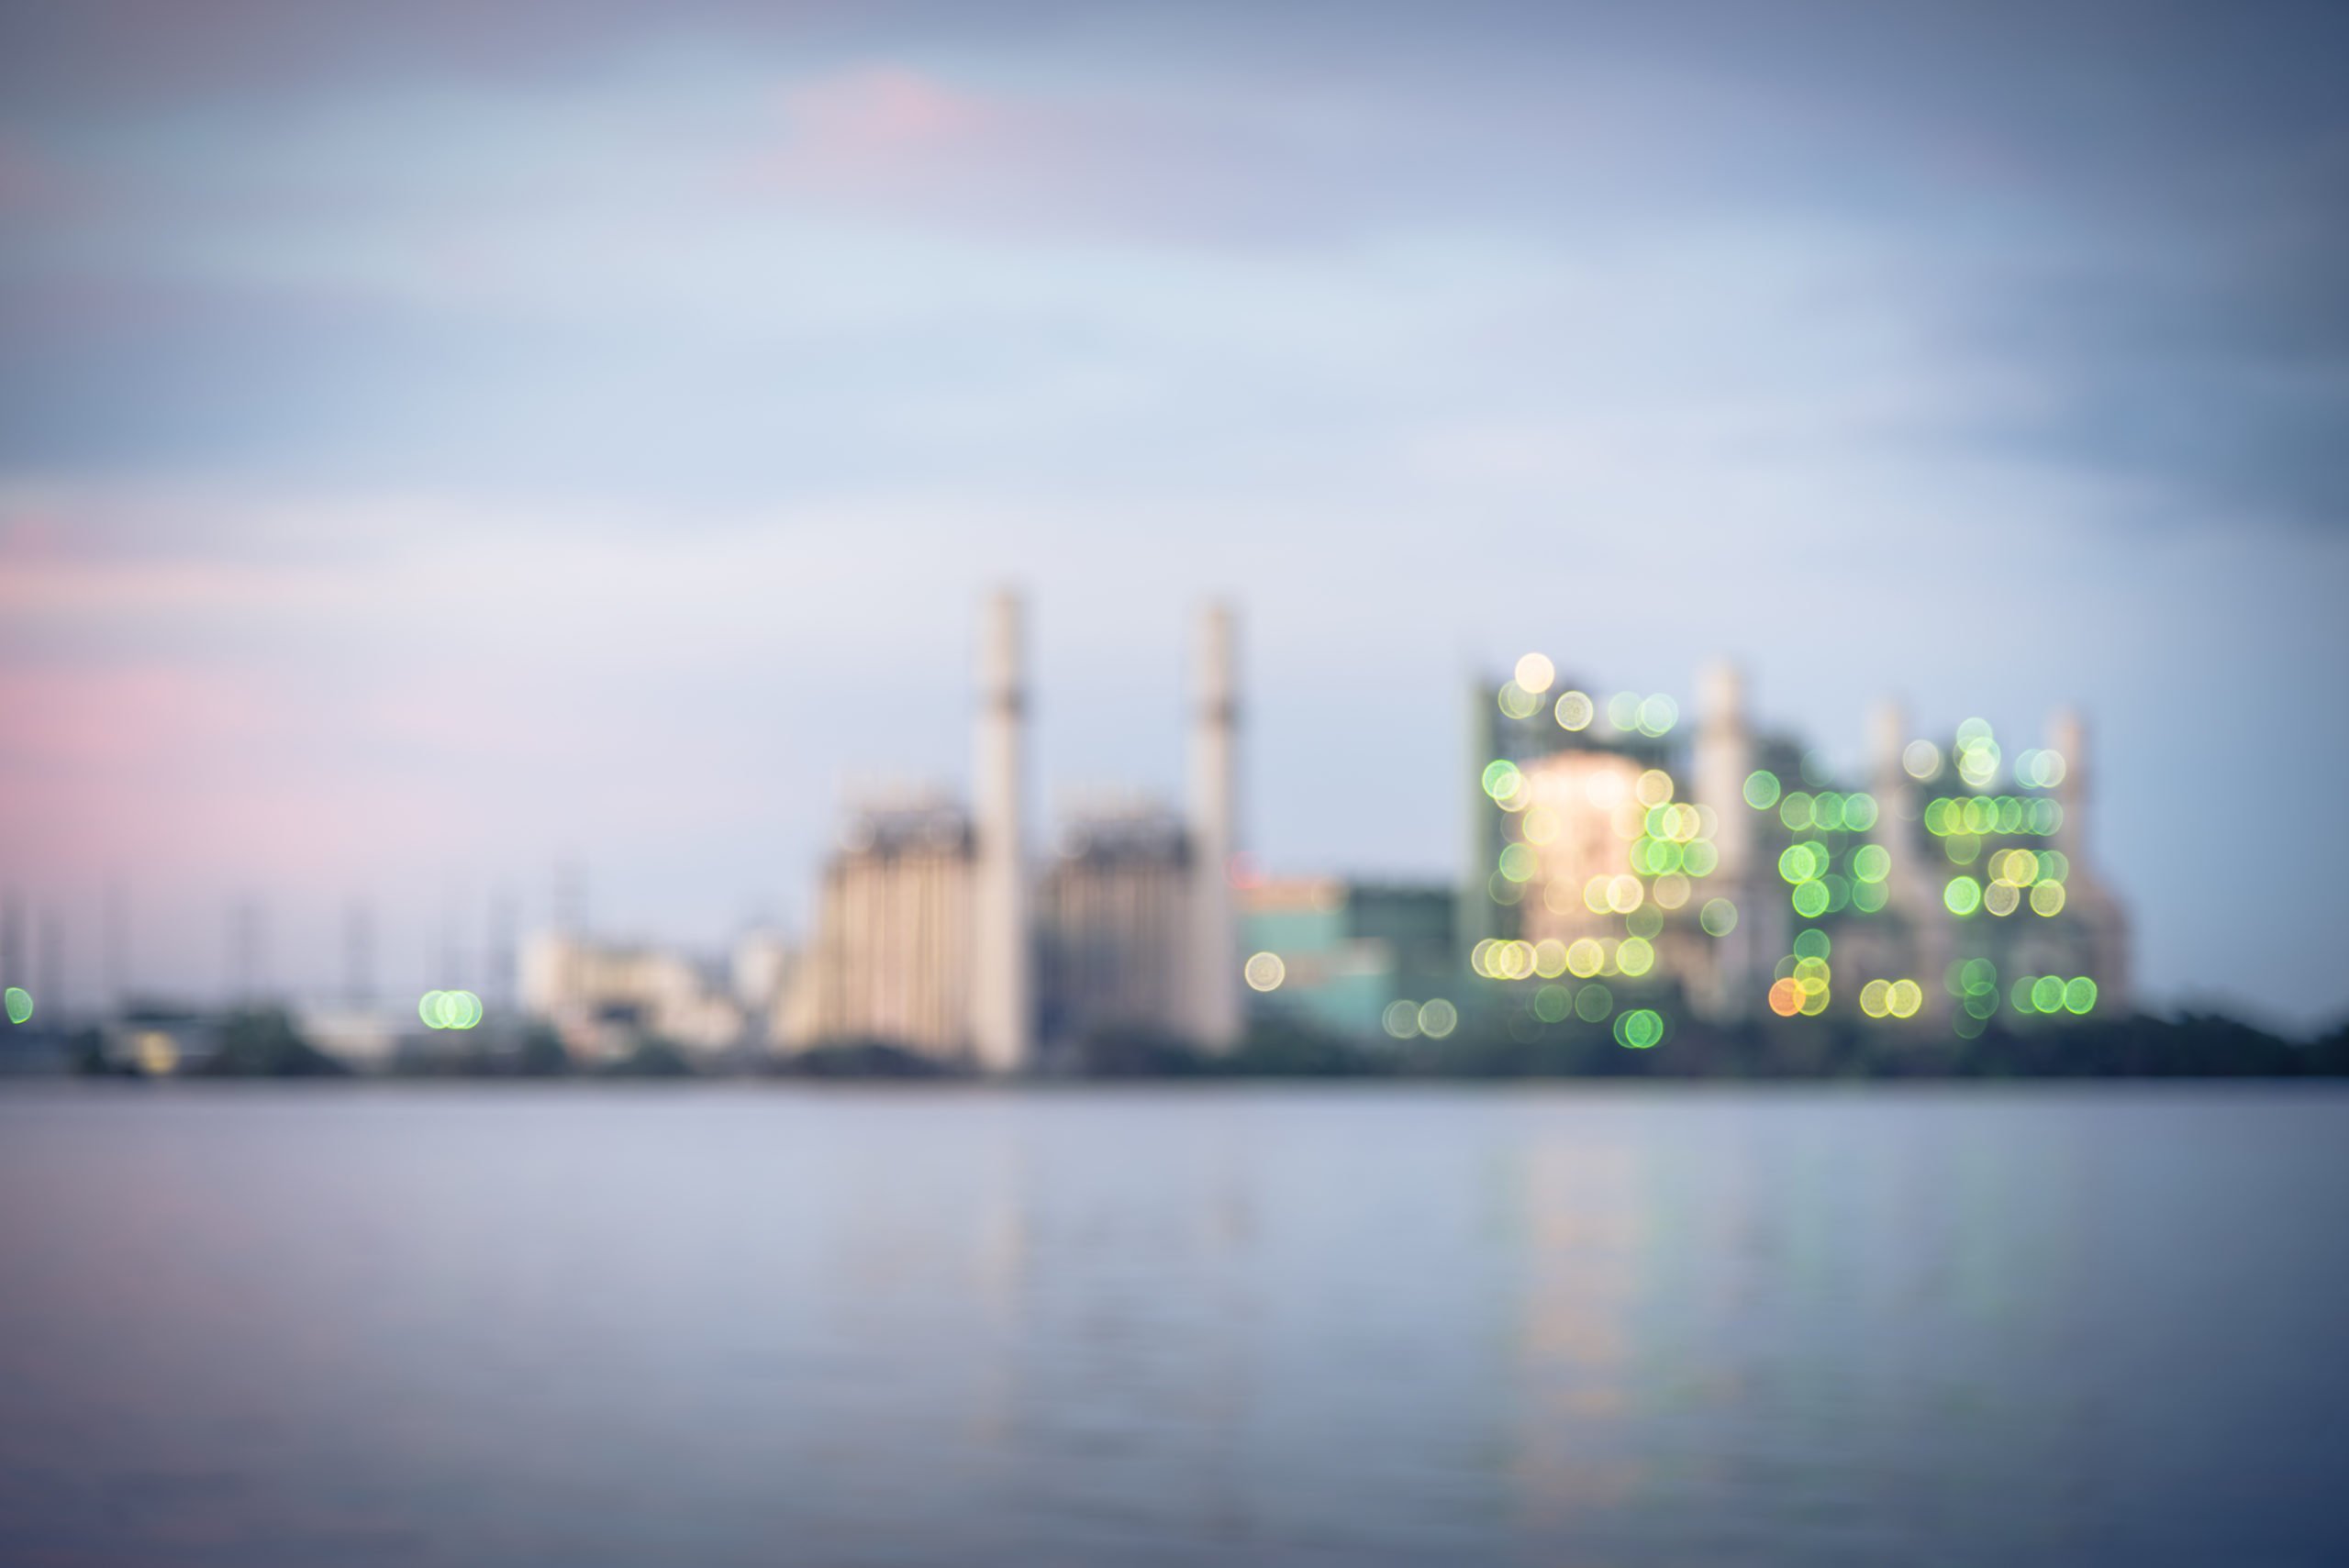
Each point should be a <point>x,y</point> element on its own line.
<point>1184,1327</point>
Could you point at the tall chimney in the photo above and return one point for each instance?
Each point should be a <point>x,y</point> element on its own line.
<point>1002,1006</point>
<point>1723,756</point>
<point>1215,949</point>
<point>2068,736</point>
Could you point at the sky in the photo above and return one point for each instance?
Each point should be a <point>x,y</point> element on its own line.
<point>443,442</point>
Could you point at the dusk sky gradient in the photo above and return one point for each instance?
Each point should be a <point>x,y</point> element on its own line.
<point>439,441</point>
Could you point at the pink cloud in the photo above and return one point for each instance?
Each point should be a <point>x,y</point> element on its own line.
<point>886,109</point>
<point>155,715</point>
<point>887,130</point>
<point>891,138</point>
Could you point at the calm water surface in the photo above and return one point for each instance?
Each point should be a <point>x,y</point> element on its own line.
<point>586,1325</point>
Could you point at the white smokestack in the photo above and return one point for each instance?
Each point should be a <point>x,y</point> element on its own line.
<point>1002,1009</point>
<point>1723,756</point>
<point>2068,736</point>
<point>1215,948</point>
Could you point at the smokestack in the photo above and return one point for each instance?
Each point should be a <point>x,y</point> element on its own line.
<point>50,991</point>
<point>246,978</point>
<point>1215,973</point>
<point>1002,1010</point>
<point>1887,737</point>
<point>1723,756</point>
<point>358,956</point>
<point>114,982</point>
<point>2068,736</point>
<point>11,941</point>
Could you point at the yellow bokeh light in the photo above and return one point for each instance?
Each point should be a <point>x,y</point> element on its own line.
<point>1535,673</point>
<point>1265,972</point>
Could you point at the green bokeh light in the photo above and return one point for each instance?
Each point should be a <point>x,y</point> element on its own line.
<point>1638,1029</point>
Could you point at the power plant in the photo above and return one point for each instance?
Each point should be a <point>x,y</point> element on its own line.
<point>1626,872</point>
<point>936,931</point>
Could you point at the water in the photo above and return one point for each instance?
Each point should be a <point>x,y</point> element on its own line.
<point>586,1324</point>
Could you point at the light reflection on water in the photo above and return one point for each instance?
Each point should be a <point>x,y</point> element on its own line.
<point>586,1325</point>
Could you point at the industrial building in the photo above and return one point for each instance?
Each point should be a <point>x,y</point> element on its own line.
<point>1621,860</point>
<point>1359,960</point>
<point>938,932</point>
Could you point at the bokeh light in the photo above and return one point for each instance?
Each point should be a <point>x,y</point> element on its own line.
<point>1640,1028</point>
<point>1575,710</point>
<point>1517,702</point>
<point>19,1003</point>
<point>450,1009</point>
<point>1264,970</point>
<point>1534,673</point>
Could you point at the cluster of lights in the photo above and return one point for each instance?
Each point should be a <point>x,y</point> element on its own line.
<point>2012,884</point>
<point>1891,998</point>
<point>1951,815</point>
<point>2051,994</point>
<point>19,1004</point>
<point>1407,1020</point>
<point>1801,981</point>
<point>1814,891</point>
<point>1670,841</point>
<point>1590,1002</point>
<point>1829,867</point>
<point>450,1009</point>
<point>2040,770</point>
<point>1498,957</point>
<point>1652,717</point>
<point>1265,972</point>
<point>1974,983</point>
<point>1826,874</point>
<point>1828,812</point>
<point>1525,694</point>
<point>1977,756</point>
